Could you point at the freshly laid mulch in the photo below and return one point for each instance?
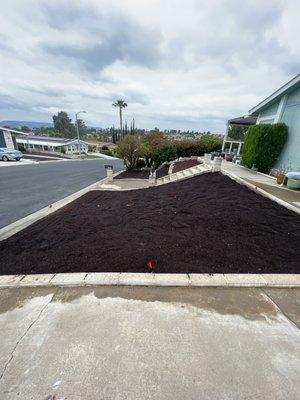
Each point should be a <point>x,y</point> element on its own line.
<point>181,165</point>
<point>208,223</point>
<point>162,171</point>
<point>133,175</point>
<point>178,166</point>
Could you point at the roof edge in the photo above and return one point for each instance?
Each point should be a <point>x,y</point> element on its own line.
<point>282,90</point>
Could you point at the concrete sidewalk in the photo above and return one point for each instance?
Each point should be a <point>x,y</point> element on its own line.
<point>264,182</point>
<point>149,343</point>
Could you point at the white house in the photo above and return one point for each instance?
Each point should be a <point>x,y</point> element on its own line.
<point>11,138</point>
<point>284,106</point>
<point>44,143</point>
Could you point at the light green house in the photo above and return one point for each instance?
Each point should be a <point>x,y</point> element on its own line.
<point>284,106</point>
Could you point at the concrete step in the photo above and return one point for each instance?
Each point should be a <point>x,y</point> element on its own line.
<point>180,175</point>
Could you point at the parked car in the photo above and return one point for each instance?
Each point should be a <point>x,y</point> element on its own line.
<point>10,155</point>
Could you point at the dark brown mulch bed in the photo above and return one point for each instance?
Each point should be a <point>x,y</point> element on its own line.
<point>163,171</point>
<point>133,175</point>
<point>208,223</point>
<point>181,165</point>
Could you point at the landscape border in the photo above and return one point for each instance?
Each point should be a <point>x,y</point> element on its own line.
<point>150,279</point>
<point>260,191</point>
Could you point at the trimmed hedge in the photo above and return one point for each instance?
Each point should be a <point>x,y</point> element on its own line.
<point>263,145</point>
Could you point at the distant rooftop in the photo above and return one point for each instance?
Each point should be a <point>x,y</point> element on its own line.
<point>46,138</point>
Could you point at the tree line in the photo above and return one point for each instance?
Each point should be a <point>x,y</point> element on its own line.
<point>63,126</point>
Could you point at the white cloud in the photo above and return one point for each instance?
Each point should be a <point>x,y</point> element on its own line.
<point>185,65</point>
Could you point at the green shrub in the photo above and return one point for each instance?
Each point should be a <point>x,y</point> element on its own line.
<point>63,150</point>
<point>130,149</point>
<point>206,144</point>
<point>106,152</point>
<point>211,143</point>
<point>188,148</point>
<point>21,148</point>
<point>263,145</point>
<point>166,153</point>
<point>140,163</point>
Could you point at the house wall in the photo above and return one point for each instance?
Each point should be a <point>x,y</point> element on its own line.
<point>73,148</point>
<point>290,155</point>
<point>269,112</point>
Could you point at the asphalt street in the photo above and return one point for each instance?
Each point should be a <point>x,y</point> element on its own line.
<point>28,188</point>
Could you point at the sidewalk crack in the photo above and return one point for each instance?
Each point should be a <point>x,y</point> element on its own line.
<point>23,336</point>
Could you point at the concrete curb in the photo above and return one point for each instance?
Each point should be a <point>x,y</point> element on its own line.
<point>261,191</point>
<point>23,223</point>
<point>149,279</point>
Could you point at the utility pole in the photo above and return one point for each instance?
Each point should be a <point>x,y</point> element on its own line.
<point>77,128</point>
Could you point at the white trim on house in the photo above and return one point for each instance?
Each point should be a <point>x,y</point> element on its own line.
<point>280,108</point>
<point>281,91</point>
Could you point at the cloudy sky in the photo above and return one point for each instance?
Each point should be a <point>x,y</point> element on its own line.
<point>182,64</point>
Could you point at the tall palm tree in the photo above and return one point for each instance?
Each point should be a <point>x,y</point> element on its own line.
<point>120,104</point>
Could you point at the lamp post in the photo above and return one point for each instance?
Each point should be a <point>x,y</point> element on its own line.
<point>78,138</point>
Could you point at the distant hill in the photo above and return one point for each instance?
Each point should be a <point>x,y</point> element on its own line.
<point>30,124</point>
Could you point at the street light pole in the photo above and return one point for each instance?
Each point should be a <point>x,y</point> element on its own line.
<point>77,128</point>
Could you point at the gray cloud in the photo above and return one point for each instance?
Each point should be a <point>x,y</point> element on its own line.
<point>179,64</point>
<point>10,102</point>
<point>106,38</point>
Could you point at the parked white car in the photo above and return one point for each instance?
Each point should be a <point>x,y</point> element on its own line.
<point>10,155</point>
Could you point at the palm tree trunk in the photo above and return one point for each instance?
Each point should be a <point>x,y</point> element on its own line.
<point>121,125</point>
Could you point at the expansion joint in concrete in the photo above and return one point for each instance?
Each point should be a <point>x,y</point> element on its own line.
<point>22,337</point>
<point>279,309</point>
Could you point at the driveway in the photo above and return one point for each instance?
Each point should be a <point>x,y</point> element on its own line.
<point>28,188</point>
<point>155,343</point>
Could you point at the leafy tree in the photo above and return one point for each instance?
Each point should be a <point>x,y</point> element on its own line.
<point>188,148</point>
<point>63,124</point>
<point>263,145</point>
<point>82,127</point>
<point>120,104</point>
<point>152,142</point>
<point>130,149</point>
<point>25,128</point>
<point>45,131</point>
<point>211,143</point>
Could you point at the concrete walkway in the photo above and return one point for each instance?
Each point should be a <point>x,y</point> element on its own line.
<point>123,184</point>
<point>101,155</point>
<point>142,343</point>
<point>264,182</point>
